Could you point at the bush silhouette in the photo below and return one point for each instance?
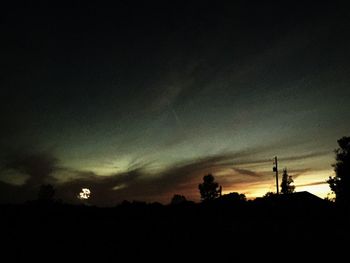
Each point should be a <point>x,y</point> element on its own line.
<point>178,199</point>
<point>233,197</point>
<point>269,195</point>
<point>46,193</point>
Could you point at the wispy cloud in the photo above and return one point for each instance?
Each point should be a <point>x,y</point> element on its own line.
<point>305,156</point>
<point>311,184</point>
<point>298,172</point>
<point>246,172</point>
<point>138,182</point>
<point>182,177</point>
<point>37,165</point>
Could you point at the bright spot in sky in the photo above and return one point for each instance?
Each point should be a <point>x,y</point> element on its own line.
<point>84,194</point>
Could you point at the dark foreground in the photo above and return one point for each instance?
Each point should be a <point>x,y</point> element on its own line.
<point>230,231</point>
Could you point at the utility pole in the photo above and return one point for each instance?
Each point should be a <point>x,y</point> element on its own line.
<point>275,169</point>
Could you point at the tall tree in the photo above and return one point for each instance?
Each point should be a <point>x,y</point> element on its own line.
<point>286,187</point>
<point>209,189</point>
<point>340,183</point>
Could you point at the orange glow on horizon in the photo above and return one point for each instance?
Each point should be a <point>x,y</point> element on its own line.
<point>313,182</point>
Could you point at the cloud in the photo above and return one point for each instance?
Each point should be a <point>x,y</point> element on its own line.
<point>10,193</point>
<point>135,183</point>
<point>246,172</point>
<point>311,184</point>
<point>37,165</point>
<point>297,172</point>
<point>23,171</point>
<point>138,182</point>
<point>304,156</point>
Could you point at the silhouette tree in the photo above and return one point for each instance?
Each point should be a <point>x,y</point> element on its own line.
<point>233,197</point>
<point>340,183</point>
<point>46,193</point>
<point>178,199</point>
<point>269,195</point>
<point>209,189</point>
<point>286,187</point>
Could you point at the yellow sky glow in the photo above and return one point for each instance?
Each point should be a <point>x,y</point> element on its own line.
<point>313,182</point>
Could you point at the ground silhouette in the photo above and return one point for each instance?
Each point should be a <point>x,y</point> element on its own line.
<point>224,228</point>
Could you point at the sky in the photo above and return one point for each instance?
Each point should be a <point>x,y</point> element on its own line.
<point>140,100</point>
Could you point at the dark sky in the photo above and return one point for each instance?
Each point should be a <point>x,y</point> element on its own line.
<point>141,99</point>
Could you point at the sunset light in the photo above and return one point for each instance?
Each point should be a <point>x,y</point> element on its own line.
<point>173,130</point>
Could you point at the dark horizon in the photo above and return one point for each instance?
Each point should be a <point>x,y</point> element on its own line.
<point>221,229</point>
<point>140,100</point>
